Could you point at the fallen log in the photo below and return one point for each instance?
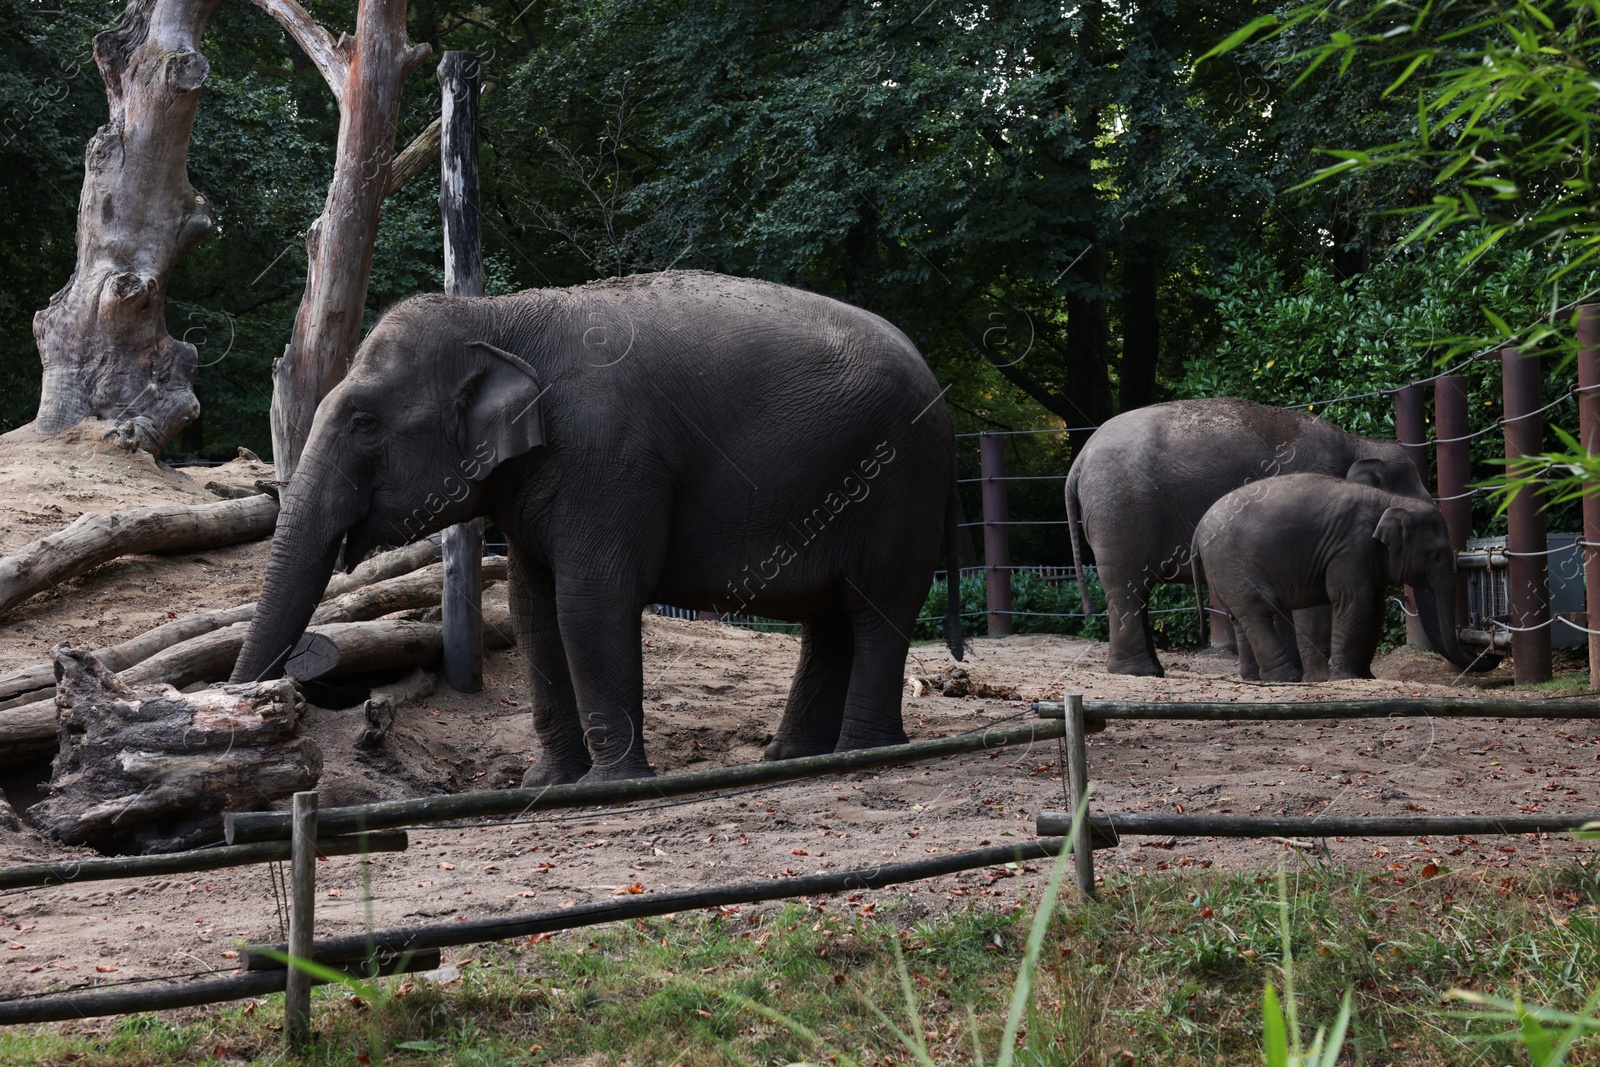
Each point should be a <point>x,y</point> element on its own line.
<point>419,589</point>
<point>30,730</point>
<point>120,657</point>
<point>153,770</point>
<point>95,538</point>
<point>378,711</point>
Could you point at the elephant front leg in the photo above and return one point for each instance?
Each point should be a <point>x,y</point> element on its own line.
<point>1275,659</point>
<point>600,629</point>
<point>563,756</point>
<point>877,681</point>
<point>815,711</point>
<point>1133,648</point>
<point>1357,625</point>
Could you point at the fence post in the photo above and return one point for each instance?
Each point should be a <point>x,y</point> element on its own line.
<point>1082,844</point>
<point>996,536</point>
<point>1530,591</point>
<point>1455,465</point>
<point>1412,433</point>
<point>1589,438</point>
<point>461,609</point>
<point>302,910</point>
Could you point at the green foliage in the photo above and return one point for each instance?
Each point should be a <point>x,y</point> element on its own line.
<point>1316,337</point>
<point>1047,606</point>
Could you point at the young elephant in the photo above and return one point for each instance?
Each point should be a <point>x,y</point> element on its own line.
<point>1300,540</point>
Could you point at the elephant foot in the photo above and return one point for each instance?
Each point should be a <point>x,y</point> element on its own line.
<point>621,771</point>
<point>1339,674</point>
<point>851,744</point>
<point>792,748</point>
<point>552,772</point>
<point>1141,667</point>
<point>1281,675</point>
<point>1316,674</point>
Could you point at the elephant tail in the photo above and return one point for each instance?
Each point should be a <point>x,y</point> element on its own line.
<point>952,551</point>
<point>1075,529</point>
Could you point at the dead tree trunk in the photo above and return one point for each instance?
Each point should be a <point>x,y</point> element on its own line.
<point>103,340</point>
<point>154,771</point>
<point>365,75</point>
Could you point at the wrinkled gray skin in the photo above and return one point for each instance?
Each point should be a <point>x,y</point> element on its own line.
<point>709,442</point>
<point>1303,540</point>
<point>1146,477</point>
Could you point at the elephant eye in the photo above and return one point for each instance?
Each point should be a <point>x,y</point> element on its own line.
<point>364,420</point>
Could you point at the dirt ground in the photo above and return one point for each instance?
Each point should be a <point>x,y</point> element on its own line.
<point>713,694</point>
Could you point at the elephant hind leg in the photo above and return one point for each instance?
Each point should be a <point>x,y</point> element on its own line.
<point>815,710</point>
<point>563,755</point>
<point>1133,647</point>
<point>877,673</point>
<point>1275,658</point>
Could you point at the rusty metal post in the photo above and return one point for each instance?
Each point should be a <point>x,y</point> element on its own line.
<point>1412,433</point>
<point>996,538</point>
<point>1589,438</point>
<point>1454,460</point>
<point>1530,590</point>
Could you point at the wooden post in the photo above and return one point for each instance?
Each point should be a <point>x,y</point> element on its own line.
<point>1454,460</point>
<point>1530,590</point>
<point>1077,789</point>
<point>461,610</point>
<point>996,538</point>
<point>1409,428</point>
<point>1589,438</point>
<point>302,910</point>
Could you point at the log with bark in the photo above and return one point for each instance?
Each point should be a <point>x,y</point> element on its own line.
<point>103,339</point>
<point>152,770</point>
<point>342,648</point>
<point>95,538</point>
<point>25,686</point>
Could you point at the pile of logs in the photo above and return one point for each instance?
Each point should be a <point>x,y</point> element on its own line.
<point>202,647</point>
<point>140,766</point>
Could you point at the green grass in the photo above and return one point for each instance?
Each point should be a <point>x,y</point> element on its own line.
<point>1165,970</point>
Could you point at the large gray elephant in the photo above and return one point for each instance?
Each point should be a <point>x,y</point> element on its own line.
<point>1304,540</point>
<point>710,442</point>
<point>1144,479</point>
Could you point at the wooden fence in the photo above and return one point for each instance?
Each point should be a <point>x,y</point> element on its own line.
<point>306,833</point>
<point>1104,830</point>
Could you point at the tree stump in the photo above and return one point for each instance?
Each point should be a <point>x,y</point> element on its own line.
<point>153,770</point>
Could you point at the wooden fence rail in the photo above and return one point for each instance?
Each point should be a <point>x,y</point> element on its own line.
<point>1102,830</point>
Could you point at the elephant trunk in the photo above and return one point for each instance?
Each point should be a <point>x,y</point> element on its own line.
<point>1436,609</point>
<point>304,550</point>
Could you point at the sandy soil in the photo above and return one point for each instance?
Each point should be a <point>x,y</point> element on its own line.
<point>713,694</point>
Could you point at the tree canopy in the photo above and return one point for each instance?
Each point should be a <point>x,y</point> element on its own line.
<point>1069,213</point>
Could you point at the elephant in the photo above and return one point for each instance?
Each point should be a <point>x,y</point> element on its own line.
<point>1140,484</point>
<point>1302,540</point>
<point>711,442</point>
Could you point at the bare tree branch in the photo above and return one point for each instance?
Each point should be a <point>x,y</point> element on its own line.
<point>331,57</point>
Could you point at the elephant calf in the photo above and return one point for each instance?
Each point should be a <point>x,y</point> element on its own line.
<point>1302,540</point>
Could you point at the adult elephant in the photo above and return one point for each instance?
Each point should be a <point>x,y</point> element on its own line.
<point>710,442</point>
<point>1307,540</point>
<point>1141,483</point>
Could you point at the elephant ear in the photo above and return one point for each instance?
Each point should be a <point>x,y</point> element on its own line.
<point>1393,528</point>
<point>500,417</point>
<point>1366,472</point>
